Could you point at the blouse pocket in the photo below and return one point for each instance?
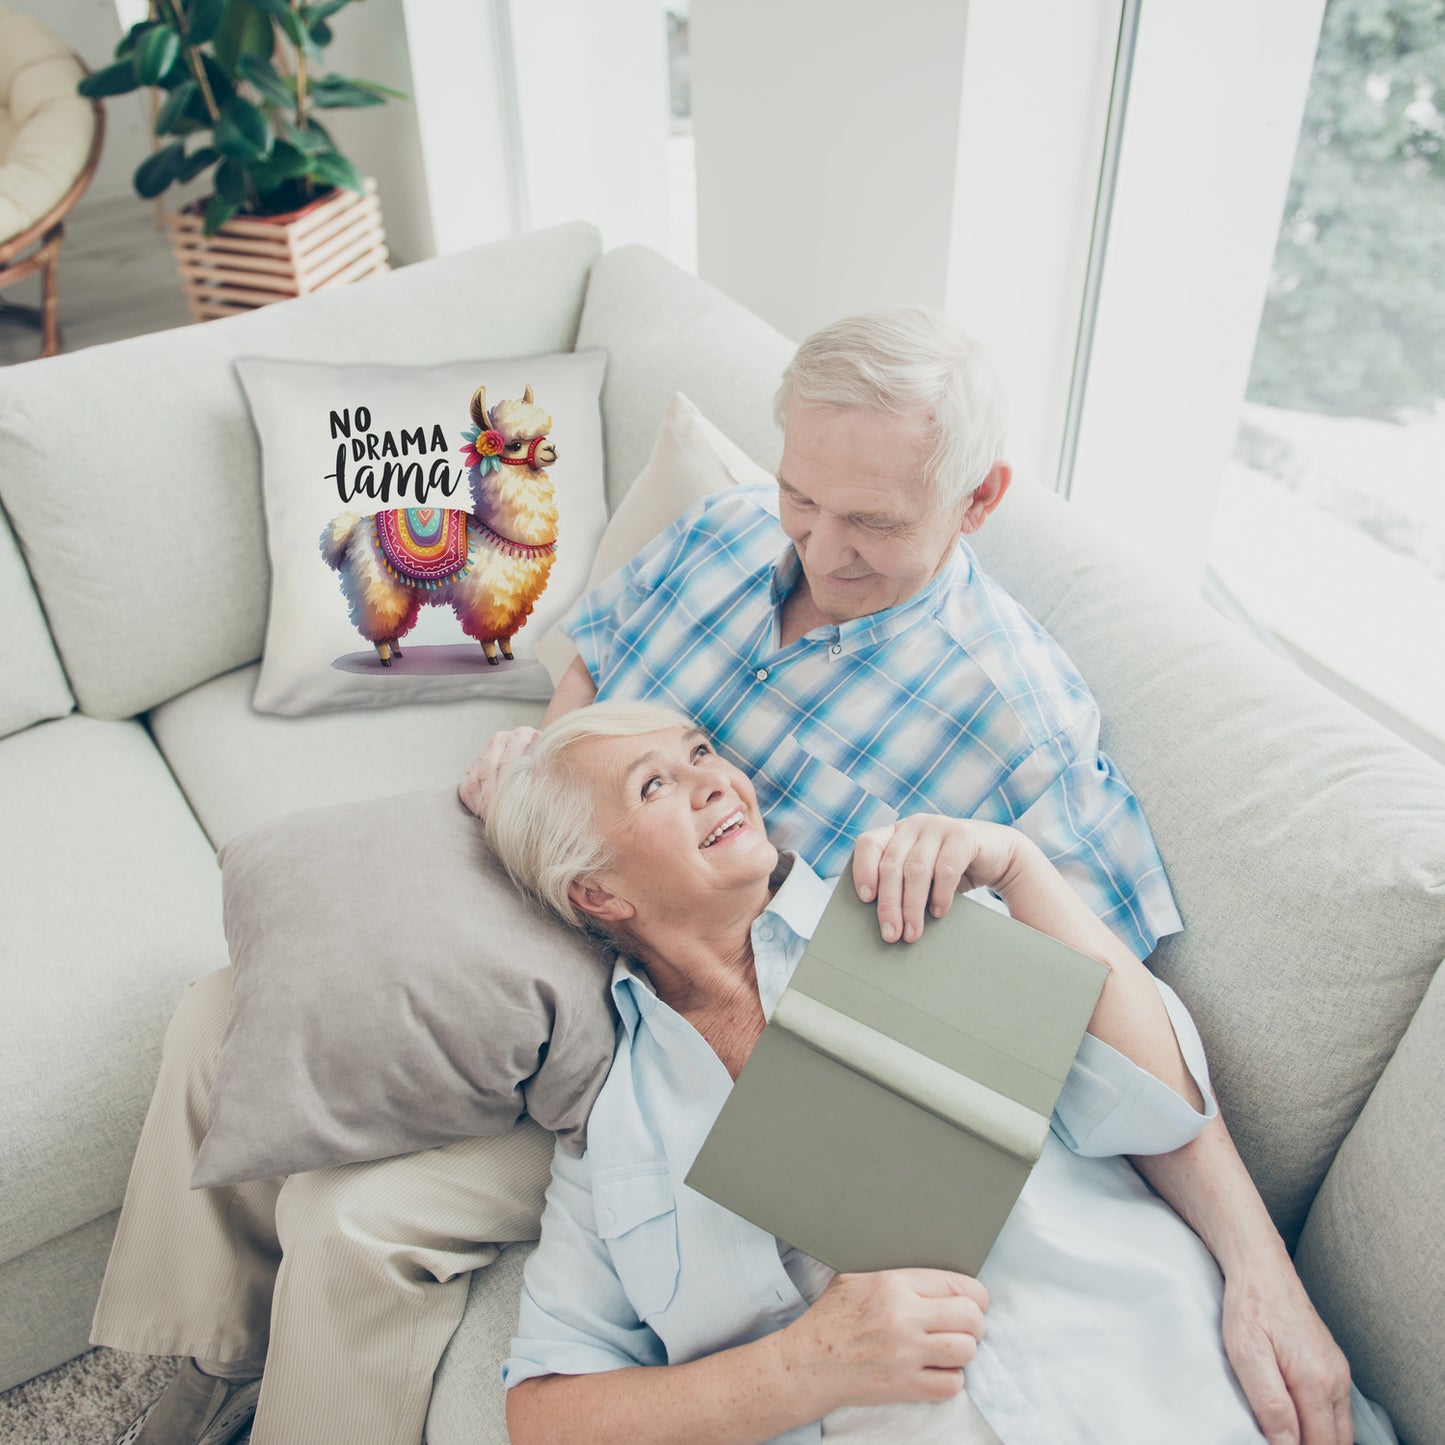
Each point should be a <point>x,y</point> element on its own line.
<point>637,1216</point>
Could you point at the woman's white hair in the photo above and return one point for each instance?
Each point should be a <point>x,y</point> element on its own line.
<point>908,360</point>
<point>542,819</point>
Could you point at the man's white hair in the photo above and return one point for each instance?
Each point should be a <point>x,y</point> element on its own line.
<point>542,820</point>
<point>908,360</point>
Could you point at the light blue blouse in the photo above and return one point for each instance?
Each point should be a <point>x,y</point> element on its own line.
<point>1105,1316</point>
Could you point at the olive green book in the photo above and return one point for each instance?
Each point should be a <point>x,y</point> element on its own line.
<point>900,1094</point>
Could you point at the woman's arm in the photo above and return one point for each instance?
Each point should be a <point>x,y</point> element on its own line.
<point>903,1334</point>
<point>917,865</point>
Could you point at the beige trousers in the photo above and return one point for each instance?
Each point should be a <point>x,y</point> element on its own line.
<point>349,1281</point>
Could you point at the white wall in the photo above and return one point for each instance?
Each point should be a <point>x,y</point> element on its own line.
<point>827,137</point>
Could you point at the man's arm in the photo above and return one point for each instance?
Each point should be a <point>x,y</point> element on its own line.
<point>575,690</point>
<point>1295,1377</point>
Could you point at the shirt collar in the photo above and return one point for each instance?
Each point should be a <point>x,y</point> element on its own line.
<point>879,626</point>
<point>779,933</point>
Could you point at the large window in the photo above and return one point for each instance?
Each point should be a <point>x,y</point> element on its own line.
<point>1330,529</point>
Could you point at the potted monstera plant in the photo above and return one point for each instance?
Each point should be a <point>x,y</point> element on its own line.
<point>241,86</point>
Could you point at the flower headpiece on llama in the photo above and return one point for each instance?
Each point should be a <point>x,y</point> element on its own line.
<point>484,443</point>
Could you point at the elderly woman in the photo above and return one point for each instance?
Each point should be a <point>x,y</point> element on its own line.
<point>652,1313</point>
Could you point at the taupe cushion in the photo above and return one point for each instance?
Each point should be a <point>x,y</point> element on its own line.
<point>32,684</point>
<point>664,331</point>
<point>1372,1254</point>
<point>110,904</point>
<point>147,444</point>
<point>1303,842</point>
<point>392,993</point>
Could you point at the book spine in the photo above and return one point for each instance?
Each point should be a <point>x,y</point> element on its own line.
<point>924,1082</point>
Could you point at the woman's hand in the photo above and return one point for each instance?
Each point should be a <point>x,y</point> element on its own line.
<point>475,788</point>
<point>918,864</point>
<point>897,1335</point>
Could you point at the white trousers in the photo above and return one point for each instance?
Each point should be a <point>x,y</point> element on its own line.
<point>349,1281</point>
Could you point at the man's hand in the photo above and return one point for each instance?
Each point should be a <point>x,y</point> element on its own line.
<point>916,865</point>
<point>1295,1377</point>
<point>475,788</point>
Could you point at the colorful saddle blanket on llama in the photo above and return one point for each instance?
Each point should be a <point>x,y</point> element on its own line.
<point>423,544</point>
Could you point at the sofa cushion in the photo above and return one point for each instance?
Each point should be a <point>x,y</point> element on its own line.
<point>1301,840</point>
<point>32,683</point>
<point>690,460</point>
<point>1372,1254</point>
<point>664,331</point>
<point>349,555</point>
<point>110,906</point>
<point>239,768</point>
<point>145,448</point>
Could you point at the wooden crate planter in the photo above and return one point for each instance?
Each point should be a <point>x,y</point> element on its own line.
<point>255,260</point>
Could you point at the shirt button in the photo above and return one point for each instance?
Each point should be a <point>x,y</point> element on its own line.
<point>836,648</point>
<point>765,933</point>
<point>761,674</point>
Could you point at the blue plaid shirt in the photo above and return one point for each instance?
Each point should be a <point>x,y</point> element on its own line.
<point>954,702</point>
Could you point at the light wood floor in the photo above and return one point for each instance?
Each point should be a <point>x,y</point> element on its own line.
<point>117,279</point>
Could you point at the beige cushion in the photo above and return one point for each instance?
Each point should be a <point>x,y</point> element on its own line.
<point>240,768</point>
<point>161,461</point>
<point>1302,842</point>
<point>46,135</point>
<point>392,993</point>
<point>32,684</point>
<point>1373,1250</point>
<point>110,905</point>
<point>690,460</point>
<point>664,331</point>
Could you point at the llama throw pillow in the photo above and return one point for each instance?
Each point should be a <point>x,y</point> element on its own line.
<point>425,524</point>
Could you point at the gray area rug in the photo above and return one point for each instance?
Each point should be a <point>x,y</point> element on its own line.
<point>86,1402</point>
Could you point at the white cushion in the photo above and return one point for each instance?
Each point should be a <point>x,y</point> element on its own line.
<point>690,460</point>
<point>32,684</point>
<point>110,906</point>
<point>331,575</point>
<point>160,464</point>
<point>239,768</point>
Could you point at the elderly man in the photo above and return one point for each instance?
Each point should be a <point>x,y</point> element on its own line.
<point>838,640</point>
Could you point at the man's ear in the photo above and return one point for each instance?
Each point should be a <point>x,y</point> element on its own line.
<point>596,902</point>
<point>986,496</point>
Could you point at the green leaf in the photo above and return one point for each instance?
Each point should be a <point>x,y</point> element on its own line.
<point>333,168</point>
<point>324,11</point>
<point>231,182</point>
<point>173,111</point>
<point>287,162</point>
<point>203,19</point>
<point>131,38</point>
<point>157,171</point>
<point>244,31</point>
<point>278,89</point>
<point>334,92</point>
<point>218,212</point>
<point>222,85</point>
<point>197,161</point>
<point>319,33</point>
<point>157,52</point>
<point>377,88</point>
<point>117,79</point>
<point>285,17</point>
<point>242,132</point>
<point>311,141</point>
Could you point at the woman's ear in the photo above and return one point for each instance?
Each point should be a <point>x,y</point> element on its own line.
<point>596,902</point>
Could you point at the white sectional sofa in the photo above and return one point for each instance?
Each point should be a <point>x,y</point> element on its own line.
<point>1306,846</point>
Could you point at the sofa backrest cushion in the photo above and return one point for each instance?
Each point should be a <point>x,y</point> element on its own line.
<point>32,682</point>
<point>132,472</point>
<point>1302,841</point>
<point>664,331</point>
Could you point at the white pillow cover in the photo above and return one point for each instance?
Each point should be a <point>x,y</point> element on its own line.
<point>691,459</point>
<point>408,543</point>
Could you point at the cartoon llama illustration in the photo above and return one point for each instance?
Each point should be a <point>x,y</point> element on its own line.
<point>489,566</point>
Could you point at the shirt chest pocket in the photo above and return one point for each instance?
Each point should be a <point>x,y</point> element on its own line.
<point>637,1218</point>
<point>819,810</point>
